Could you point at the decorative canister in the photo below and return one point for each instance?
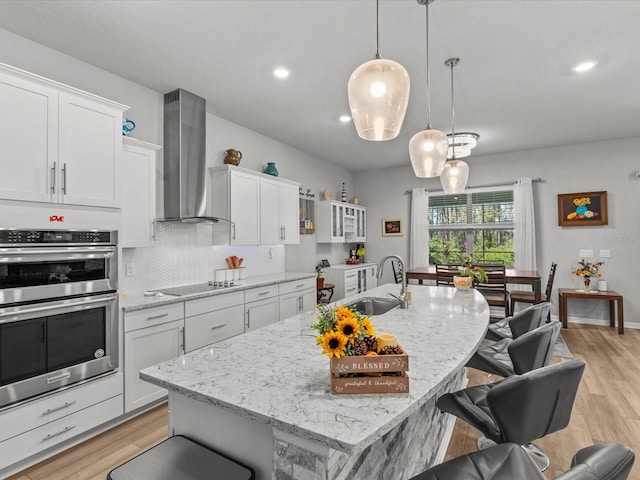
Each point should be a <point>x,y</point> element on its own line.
<point>271,169</point>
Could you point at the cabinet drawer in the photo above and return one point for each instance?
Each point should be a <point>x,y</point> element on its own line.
<point>348,291</point>
<point>153,316</point>
<point>297,285</point>
<point>45,410</point>
<point>34,441</point>
<point>260,293</point>
<point>210,304</point>
<point>212,327</point>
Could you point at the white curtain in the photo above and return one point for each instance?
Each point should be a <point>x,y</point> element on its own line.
<point>419,241</point>
<point>525,226</point>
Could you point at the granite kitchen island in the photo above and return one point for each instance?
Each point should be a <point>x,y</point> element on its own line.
<point>264,397</point>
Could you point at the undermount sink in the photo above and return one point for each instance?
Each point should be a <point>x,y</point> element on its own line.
<point>374,305</point>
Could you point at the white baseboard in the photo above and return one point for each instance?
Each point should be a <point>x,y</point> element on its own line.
<point>596,321</point>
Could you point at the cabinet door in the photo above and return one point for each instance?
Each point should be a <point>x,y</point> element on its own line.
<point>144,348</point>
<point>288,213</point>
<point>138,193</point>
<point>270,226</point>
<point>261,313</point>
<point>211,327</point>
<point>289,305</point>
<point>29,139</point>
<point>361,225</point>
<point>308,300</point>
<point>337,222</point>
<point>372,279</point>
<point>244,198</point>
<point>90,144</point>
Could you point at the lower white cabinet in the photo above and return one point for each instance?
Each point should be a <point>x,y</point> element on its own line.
<point>351,279</point>
<point>261,307</point>
<point>297,297</point>
<point>158,336</point>
<point>43,423</point>
<point>212,319</point>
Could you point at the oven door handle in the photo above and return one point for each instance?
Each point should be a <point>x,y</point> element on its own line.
<point>23,255</point>
<point>15,314</point>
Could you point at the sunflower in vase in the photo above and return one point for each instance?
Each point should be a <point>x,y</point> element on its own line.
<point>344,332</point>
<point>586,270</point>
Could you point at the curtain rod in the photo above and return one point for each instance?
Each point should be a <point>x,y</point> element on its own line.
<point>488,185</point>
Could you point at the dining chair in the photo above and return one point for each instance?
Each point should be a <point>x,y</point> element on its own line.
<point>397,271</point>
<point>445,273</point>
<point>495,288</point>
<point>529,297</point>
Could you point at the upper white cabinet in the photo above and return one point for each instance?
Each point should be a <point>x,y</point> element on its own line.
<point>138,192</point>
<point>262,209</point>
<point>62,145</point>
<point>278,212</point>
<point>340,222</point>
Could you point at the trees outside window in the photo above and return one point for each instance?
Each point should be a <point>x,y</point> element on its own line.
<point>478,224</point>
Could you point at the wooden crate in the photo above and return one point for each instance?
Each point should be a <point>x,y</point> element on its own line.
<point>370,374</point>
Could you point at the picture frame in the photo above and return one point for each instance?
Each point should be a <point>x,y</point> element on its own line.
<point>392,227</point>
<point>582,209</point>
<point>325,263</point>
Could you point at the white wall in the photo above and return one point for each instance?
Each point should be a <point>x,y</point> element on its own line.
<point>607,165</point>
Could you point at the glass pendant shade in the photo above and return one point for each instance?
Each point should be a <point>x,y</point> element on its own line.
<point>454,176</point>
<point>378,96</point>
<point>428,153</point>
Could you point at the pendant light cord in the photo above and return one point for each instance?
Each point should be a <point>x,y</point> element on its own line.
<point>428,86</point>
<point>377,30</point>
<point>453,114</point>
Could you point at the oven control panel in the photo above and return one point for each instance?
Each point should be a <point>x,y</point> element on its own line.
<point>64,237</point>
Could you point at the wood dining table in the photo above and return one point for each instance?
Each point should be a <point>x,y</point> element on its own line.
<point>513,276</point>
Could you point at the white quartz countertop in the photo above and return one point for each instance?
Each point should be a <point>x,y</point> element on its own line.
<point>345,266</point>
<point>277,375</point>
<point>130,303</point>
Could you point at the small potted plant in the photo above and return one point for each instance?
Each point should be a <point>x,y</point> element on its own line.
<point>468,273</point>
<point>320,278</point>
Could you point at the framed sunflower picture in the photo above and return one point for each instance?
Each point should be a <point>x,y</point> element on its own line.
<point>582,209</point>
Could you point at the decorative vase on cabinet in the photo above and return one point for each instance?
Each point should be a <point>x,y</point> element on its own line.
<point>271,169</point>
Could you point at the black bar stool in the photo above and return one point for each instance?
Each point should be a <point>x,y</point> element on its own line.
<point>179,458</point>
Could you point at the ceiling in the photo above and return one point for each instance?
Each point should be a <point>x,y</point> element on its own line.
<point>514,84</point>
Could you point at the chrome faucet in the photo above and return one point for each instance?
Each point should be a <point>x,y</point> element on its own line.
<point>404,303</point>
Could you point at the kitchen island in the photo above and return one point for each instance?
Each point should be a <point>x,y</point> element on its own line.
<point>264,398</point>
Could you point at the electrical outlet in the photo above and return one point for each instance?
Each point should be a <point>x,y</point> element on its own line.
<point>605,253</point>
<point>586,253</point>
<point>131,269</point>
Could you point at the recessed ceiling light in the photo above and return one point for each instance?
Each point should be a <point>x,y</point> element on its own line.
<point>345,118</point>
<point>584,66</point>
<point>281,72</point>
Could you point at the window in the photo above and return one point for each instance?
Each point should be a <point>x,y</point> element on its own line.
<point>477,223</point>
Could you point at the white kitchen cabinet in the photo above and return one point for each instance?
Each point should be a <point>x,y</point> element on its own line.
<point>212,319</point>
<point>278,212</point>
<point>138,192</point>
<point>44,422</point>
<point>152,336</point>
<point>63,144</point>
<point>351,279</point>
<point>361,224</point>
<point>235,196</point>
<point>297,297</point>
<point>340,222</point>
<point>261,307</point>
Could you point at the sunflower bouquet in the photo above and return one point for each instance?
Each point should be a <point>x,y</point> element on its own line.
<point>344,332</point>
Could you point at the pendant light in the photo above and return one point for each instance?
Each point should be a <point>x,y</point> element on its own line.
<point>428,148</point>
<point>455,174</point>
<point>378,96</point>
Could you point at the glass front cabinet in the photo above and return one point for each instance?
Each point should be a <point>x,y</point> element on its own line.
<point>340,222</point>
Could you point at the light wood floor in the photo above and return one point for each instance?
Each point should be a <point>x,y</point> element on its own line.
<point>607,409</point>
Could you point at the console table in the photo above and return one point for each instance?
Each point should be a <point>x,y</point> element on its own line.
<point>613,297</point>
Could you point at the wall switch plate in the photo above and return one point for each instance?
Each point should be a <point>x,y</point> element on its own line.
<point>131,269</point>
<point>605,253</point>
<point>586,253</point>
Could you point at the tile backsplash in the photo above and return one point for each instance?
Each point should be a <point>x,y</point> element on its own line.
<point>183,254</point>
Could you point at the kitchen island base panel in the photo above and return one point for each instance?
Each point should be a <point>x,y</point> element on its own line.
<point>403,452</point>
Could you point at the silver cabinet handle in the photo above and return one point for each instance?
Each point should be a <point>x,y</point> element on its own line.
<point>153,229</point>
<point>233,235</point>
<point>153,317</point>
<point>63,431</point>
<point>181,340</point>
<point>216,327</point>
<point>55,409</point>
<point>300,285</point>
<point>53,178</point>
<point>248,319</point>
<point>64,178</point>
<point>264,293</point>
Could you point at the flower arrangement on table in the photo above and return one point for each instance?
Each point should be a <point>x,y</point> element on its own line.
<point>344,332</point>
<point>586,270</point>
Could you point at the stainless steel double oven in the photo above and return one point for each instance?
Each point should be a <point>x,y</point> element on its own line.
<point>58,309</point>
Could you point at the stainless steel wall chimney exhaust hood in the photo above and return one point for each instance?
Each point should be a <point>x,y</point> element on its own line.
<point>185,165</point>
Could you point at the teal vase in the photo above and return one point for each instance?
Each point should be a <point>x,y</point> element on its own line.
<point>271,169</point>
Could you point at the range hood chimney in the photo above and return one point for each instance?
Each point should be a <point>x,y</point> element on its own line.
<point>185,165</point>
